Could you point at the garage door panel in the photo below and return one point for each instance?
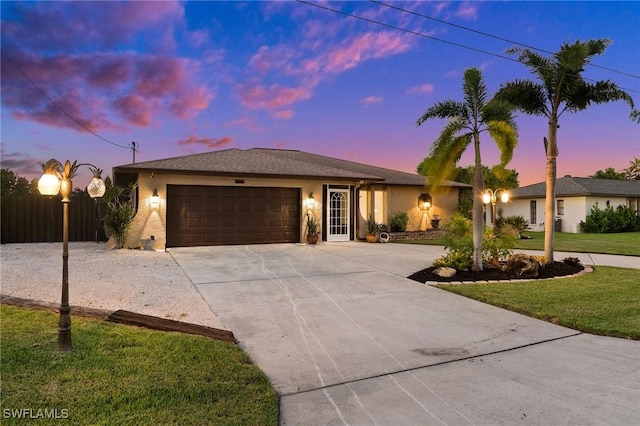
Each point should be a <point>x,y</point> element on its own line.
<point>218,215</point>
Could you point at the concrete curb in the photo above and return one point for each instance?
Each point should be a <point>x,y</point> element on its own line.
<point>126,317</point>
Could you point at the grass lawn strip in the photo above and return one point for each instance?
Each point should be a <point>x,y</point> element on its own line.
<point>626,243</point>
<point>127,375</point>
<point>604,302</point>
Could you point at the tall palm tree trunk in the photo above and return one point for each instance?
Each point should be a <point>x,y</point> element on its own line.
<point>478,222</point>
<point>550,198</point>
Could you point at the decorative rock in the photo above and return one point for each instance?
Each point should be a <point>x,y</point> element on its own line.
<point>523,265</point>
<point>444,271</point>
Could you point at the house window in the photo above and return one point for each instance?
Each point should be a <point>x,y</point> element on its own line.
<point>560,208</point>
<point>533,219</point>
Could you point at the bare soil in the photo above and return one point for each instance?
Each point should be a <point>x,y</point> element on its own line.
<point>554,269</point>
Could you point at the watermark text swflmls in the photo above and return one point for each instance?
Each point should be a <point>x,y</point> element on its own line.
<point>35,413</point>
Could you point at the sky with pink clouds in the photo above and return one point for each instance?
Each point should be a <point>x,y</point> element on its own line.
<point>189,77</point>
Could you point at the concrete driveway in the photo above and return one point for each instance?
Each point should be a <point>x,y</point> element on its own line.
<point>346,339</point>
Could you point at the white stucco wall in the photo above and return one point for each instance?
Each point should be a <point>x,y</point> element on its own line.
<point>576,210</point>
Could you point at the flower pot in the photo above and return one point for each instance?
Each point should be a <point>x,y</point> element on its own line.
<point>435,223</point>
<point>312,238</point>
<point>372,238</point>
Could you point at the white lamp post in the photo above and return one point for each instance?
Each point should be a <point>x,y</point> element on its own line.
<point>57,178</point>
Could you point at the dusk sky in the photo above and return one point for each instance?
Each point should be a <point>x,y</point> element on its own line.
<point>190,77</point>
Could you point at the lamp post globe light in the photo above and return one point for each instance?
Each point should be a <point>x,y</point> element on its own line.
<point>490,196</point>
<point>57,179</point>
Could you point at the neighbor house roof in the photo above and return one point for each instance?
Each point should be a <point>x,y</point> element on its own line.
<point>275,163</point>
<point>569,186</point>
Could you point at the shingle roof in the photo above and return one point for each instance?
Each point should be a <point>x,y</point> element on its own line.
<point>577,186</point>
<point>277,162</point>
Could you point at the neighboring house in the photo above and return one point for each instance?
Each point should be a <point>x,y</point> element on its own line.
<point>258,195</point>
<point>575,196</point>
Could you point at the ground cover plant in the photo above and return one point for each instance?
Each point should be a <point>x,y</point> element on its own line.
<point>591,303</point>
<point>627,243</point>
<point>127,376</point>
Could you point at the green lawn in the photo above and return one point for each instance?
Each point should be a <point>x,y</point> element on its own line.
<point>627,243</point>
<point>605,302</point>
<point>128,376</point>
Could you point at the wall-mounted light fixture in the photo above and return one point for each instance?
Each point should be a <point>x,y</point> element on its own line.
<point>424,202</point>
<point>311,202</point>
<point>155,198</point>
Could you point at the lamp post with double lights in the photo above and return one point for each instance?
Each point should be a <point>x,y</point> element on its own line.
<point>57,179</point>
<point>490,196</point>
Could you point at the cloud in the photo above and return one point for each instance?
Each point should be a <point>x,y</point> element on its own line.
<point>283,115</point>
<point>206,142</point>
<point>89,25</point>
<point>98,89</point>
<point>364,47</point>
<point>467,10</point>
<point>95,89</point>
<point>21,164</point>
<point>422,88</point>
<point>254,95</point>
<point>308,64</point>
<point>370,100</point>
<point>281,145</point>
<point>245,122</point>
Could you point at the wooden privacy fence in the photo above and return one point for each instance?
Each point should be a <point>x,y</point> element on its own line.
<point>38,219</point>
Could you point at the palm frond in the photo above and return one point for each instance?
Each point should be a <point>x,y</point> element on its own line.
<point>499,110</point>
<point>441,110</point>
<point>474,89</point>
<point>506,138</point>
<point>441,164</point>
<point>525,95</point>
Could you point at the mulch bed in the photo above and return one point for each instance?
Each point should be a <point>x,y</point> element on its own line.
<point>555,269</point>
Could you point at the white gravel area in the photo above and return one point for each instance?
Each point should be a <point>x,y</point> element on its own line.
<point>143,281</point>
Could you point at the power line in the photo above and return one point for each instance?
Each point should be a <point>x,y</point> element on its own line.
<point>419,34</point>
<point>54,103</point>
<point>491,35</point>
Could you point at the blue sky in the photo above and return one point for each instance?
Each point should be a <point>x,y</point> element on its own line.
<point>190,77</point>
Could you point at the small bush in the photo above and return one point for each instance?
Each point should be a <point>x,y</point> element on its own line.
<point>622,219</point>
<point>512,224</point>
<point>459,241</point>
<point>398,221</point>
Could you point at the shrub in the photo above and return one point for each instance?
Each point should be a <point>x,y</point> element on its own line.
<point>517,224</point>
<point>119,215</point>
<point>622,219</point>
<point>398,221</point>
<point>372,226</point>
<point>459,241</point>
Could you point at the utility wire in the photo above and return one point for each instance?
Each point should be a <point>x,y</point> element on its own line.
<point>54,103</point>
<point>419,34</point>
<point>462,27</point>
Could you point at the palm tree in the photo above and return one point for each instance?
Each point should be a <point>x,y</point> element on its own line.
<point>467,120</point>
<point>560,88</point>
<point>633,171</point>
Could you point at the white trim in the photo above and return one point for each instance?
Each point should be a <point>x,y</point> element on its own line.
<point>338,225</point>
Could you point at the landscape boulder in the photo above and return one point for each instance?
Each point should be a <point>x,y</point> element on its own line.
<point>444,271</point>
<point>523,265</point>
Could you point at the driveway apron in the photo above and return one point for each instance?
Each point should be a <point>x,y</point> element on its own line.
<point>345,338</point>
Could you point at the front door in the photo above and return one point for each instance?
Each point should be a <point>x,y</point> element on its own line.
<point>338,215</point>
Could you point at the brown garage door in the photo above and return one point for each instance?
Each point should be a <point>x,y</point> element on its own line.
<point>221,215</point>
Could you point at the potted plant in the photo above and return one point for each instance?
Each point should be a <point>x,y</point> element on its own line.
<point>372,230</point>
<point>435,221</point>
<point>312,229</point>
